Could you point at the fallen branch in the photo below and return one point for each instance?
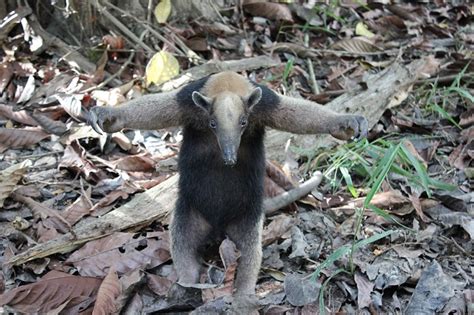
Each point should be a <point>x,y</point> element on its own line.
<point>209,68</point>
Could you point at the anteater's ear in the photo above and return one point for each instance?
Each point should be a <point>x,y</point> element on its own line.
<point>202,101</point>
<point>254,97</point>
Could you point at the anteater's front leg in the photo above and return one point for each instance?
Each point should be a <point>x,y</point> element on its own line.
<point>305,117</point>
<point>188,231</point>
<point>149,112</point>
<point>247,236</point>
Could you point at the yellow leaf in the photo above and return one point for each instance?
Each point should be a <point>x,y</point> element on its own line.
<point>162,67</point>
<point>162,11</point>
<point>362,30</point>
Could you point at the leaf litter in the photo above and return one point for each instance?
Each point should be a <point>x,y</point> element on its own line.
<point>56,173</point>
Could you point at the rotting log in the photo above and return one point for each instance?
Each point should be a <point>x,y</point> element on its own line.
<point>384,90</point>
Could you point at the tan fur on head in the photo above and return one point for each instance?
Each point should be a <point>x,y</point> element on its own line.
<point>228,108</point>
<point>227,81</point>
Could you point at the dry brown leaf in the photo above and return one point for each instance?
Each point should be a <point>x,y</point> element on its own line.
<point>271,189</point>
<point>467,118</point>
<point>124,251</point>
<point>269,10</point>
<point>78,209</point>
<point>229,255</point>
<point>415,200</point>
<point>275,172</point>
<point>460,157</point>
<point>364,290</point>
<point>9,178</point>
<point>74,158</point>
<point>56,127</point>
<point>114,42</point>
<point>136,163</point>
<point>158,284</point>
<point>51,291</point>
<point>357,45</point>
<point>108,292</point>
<point>279,226</point>
<point>55,220</point>
<point>6,74</point>
<point>410,147</point>
<point>21,116</point>
<point>71,104</point>
<point>20,138</point>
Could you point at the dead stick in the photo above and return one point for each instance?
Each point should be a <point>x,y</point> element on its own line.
<point>273,204</point>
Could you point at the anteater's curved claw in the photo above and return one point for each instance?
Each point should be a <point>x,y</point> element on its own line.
<point>94,122</point>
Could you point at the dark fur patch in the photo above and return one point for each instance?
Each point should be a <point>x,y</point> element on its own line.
<point>184,96</point>
<point>222,194</point>
<point>269,100</point>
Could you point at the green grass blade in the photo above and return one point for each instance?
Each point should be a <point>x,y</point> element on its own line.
<point>381,172</point>
<point>419,168</point>
<point>348,180</point>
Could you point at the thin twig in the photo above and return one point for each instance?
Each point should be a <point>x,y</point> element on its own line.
<point>182,50</point>
<point>32,156</point>
<point>101,9</point>
<point>314,83</point>
<point>119,72</point>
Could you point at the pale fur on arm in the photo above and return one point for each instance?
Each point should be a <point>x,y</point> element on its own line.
<point>304,117</point>
<point>149,112</point>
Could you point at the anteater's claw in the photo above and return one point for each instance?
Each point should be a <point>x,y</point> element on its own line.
<point>363,128</point>
<point>92,121</point>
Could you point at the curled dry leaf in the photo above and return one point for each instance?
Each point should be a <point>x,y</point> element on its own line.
<point>275,172</point>
<point>279,226</point>
<point>124,251</point>
<point>269,10</point>
<point>78,209</point>
<point>364,290</point>
<point>114,42</point>
<point>21,116</point>
<point>75,159</point>
<point>109,290</point>
<point>71,104</point>
<point>20,138</point>
<point>9,178</point>
<point>51,291</point>
<point>229,255</point>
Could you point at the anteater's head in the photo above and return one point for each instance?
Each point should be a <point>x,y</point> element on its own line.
<point>228,116</point>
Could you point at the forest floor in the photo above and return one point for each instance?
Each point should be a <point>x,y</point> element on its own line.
<point>388,230</point>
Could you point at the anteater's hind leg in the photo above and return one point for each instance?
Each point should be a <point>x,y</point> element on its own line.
<point>247,236</point>
<point>188,231</point>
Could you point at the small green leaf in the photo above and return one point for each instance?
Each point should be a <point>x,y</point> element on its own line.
<point>163,11</point>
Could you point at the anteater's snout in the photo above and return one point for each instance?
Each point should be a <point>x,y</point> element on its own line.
<point>230,156</point>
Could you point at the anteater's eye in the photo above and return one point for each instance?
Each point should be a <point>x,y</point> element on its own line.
<point>213,124</point>
<point>243,122</point>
